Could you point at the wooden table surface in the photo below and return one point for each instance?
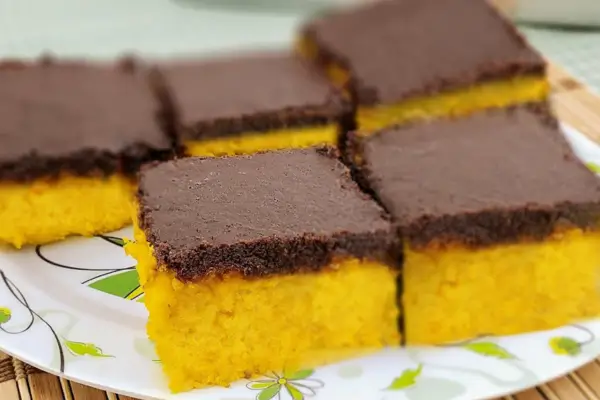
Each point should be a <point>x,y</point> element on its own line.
<point>573,103</point>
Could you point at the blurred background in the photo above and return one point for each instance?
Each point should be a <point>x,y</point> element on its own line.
<point>566,31</point>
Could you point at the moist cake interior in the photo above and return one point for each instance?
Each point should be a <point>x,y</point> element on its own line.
<point>495,211</point>
<point>255,259</point>
<point>83,205</point>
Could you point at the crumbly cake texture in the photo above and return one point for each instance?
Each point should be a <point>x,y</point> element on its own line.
<point>495,211</point>
<point>402,60</point>
<point>253,102</point>
<point>287,230</point>
<point>89,128</point>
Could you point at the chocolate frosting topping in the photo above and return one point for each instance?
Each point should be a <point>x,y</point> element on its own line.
<point>59,117</point>
<point>273,212</point>
<point>397,49</point>
<point>251,92</point>
<point>498,176</point>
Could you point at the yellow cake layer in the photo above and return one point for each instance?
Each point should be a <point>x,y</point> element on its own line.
<point>524,89</point>
<point>252,142</point>
<point>45,211</point>
<point>218,330</point>
<point>460,293</point>
<point>458,102</point>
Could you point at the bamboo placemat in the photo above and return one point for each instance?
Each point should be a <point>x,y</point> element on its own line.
<point>574,104</point>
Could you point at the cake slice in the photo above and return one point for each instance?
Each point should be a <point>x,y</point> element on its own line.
<point>253,102</point>
<point>499,221</point>
<point>72,138</point>
<point>252,264</point>
<point>404,60</point>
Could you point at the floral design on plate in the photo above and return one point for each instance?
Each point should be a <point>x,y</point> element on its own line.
<point>84,349</point>
<point>488,349</point>
<point>7,316</point>
<point>121,282</point>
<point>407,379</point>
<point>593,167</point>
<point>297,385</point>
<point>568,346</point>
<point>74,348</point>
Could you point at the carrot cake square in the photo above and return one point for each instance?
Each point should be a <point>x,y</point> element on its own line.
<point>500,223</point>
<point>257,263</point>
<point>72,138</point>
<point>253,102</point>
<point>404,60</point>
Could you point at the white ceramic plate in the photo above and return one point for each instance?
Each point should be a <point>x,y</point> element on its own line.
<point>75,309</point>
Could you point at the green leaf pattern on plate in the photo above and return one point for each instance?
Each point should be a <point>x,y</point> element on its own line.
<point>84,349</point>
<point>302,374</point>
<point>563,345</point>
<point>260,385</point>
<point>269,392</point>
<point>297,384</point>
<point>407,379</point>
<point>5,315</point>
<point>489,349</point>
<point>295,393</point>
<point>124,284</point>
<point>593,167</point>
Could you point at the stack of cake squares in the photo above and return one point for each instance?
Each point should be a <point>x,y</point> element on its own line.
<point>395,178</point>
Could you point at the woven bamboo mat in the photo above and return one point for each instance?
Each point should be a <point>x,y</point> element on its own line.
<point>574,104</point>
